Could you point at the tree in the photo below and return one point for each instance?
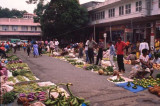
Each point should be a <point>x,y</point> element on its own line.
<point>63,16</point>
<point>39,11</point>
<point>7,13</point>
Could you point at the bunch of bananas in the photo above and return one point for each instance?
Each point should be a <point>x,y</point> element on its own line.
<point>62,100</point>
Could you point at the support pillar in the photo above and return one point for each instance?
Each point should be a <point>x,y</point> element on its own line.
<point>94,37</point>
<point>152,36</point>
<point>110,32</point>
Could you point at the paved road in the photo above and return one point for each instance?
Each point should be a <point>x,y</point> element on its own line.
<point>86,84</point>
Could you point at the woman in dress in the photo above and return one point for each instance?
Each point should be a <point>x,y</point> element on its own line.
<point>35,50</point>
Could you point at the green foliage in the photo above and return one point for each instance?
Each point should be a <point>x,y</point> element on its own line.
<point>39,11</point>
<point>63,15</point>
<point>15,73</point>
<point>7,13</point>
<point>8,97</point>
<point>110,69</point>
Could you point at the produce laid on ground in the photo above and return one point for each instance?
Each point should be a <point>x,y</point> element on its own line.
<point>108,70</point>
<point>47,95</point>
<point>158,75</point>
<point>155,90</point>
<point>18,71</point>
<point>145,83</point>
<point>127,61</point>
<point>156,66</point>
<point>117,80</point>
<point>62,100</point>
<point>8,97</point>
<point>32,93</point>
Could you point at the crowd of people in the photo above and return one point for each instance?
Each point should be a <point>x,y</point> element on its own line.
<point>28,47</point>
<point>92,49</point>
<point>122,50</point>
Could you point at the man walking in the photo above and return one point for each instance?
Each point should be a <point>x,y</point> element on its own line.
<point>91,44</point>
<point>100,51</point>
<point>120,46</point>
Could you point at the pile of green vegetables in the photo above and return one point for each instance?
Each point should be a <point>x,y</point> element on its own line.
<point>64,101</point>
<point>27,88</point>
<point>17,66</point>
<point>108,69</point>
<point>94,67</point>
<point>117,80</point>
<point>77,63</point>
<point>8,97</point>
<point>71,60</point>
<point>13,57</point>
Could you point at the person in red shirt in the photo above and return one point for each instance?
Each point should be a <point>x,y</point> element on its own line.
<point>2,51</point>
<point>120,46</point>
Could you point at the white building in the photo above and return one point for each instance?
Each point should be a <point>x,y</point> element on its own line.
<point>130,19</point>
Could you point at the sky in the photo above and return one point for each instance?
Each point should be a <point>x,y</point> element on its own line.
<point>22,5</point>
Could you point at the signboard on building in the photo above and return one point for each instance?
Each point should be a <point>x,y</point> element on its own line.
<point>158,23</point>
<point>128,30</point>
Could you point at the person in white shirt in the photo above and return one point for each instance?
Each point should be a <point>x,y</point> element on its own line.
<point>86,51</point>
<point>145,62</point>
<point>56,45</point>
<point>156,60</point>
<point>14,47</point>
<point>143,45</point>
<point>52,46</point>
<point>112,53</point>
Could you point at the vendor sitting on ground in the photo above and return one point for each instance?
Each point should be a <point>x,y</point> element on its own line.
<point>145,62</point>
<point>156,59</point>
<point>132,56</point>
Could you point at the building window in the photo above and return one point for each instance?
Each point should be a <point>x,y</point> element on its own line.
<point>33,28</point>
<point>103,14</point>
<point>98,16</point>
<point>111,13</point>
<point>128,8</point>
<point>14,28</point>
<point>24,28</point>
<point>138,5</point>
<point>5,28</point>
<point>121,10</point>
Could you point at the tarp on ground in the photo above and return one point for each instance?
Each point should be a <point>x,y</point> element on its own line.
<point>124,85</point>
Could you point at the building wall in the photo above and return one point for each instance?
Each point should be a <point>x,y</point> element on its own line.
<point>20,28</point>
<point>19,33</point>
<point>117,3</point>
<point>155,8</point>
